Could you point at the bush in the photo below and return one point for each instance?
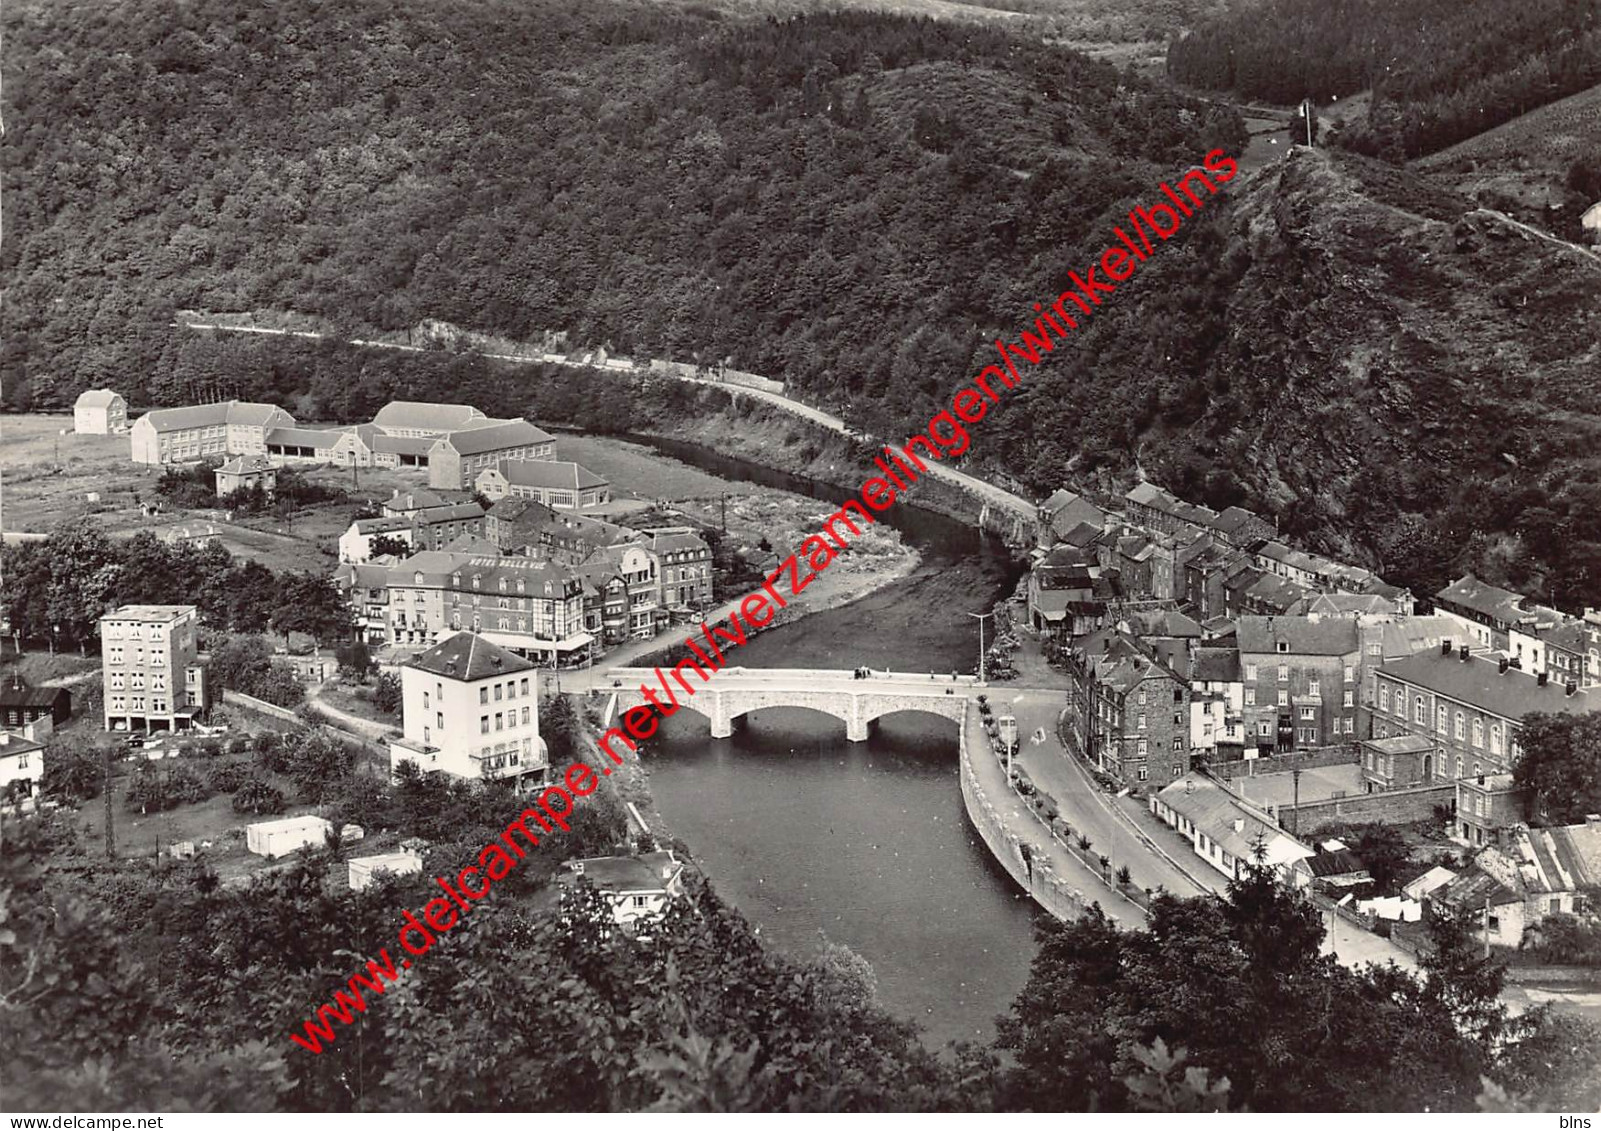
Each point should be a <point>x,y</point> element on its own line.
<point>1566,940</point>
<point>258,797</point>
<point>208,747</point>
<point>238,744</point>
<point>227,777</point>
<point>386,693</point>
<point>157,786</point>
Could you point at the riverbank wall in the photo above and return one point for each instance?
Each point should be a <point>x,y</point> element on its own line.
<point>1034,876</point>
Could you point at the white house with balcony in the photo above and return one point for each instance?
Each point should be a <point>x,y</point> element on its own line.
<point>471,710</point>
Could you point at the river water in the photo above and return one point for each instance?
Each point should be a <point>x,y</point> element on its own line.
<point>810,835</point>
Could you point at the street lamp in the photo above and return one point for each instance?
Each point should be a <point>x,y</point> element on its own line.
<point>981,617</point>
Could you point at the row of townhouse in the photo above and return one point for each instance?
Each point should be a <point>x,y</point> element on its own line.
<point>1538,639</point>
<point>455,443</point>
<point>425,528</point>
<point>1130,711</point>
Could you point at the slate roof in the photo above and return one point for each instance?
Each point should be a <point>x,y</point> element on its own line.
<point>1216,665</point>
<point>1342,862</point>
<point>1061,497</point>
<point>413,501</point>
<point>245,465</point>
<point>382,525</point>
<point>472,544</point>
<point>1400,744</point>
<point>305,437</point>
<point>468,656</point>
<point>668,541</point>
<point>15,692</point>
<point>404,445</point>
<point>1577,848</point>
<point>510,434</point>
<point>1473,888</point>
<point>1081,535</point>
<point>96,398</point>
<point>1417,634</point>
<point>1274,591</point>
<point>1478,682</point>
<point>447,512</point>
<point>548,474</point>
<point>651,872</point>
<point>1231,520</point>
<point>1481,597</point>
<point>12,745</point>
<point>1214,811</point>
<point>1305,636</point>
<point>223,412</point>
<point>421,414</point>
<point>1346,604</point>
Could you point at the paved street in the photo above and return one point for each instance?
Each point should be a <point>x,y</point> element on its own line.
<point>1082,804</point>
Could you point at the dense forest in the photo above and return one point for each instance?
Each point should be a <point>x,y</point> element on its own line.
<point>1440,70</point>
<point>157,987</point>
<point>855,203</point>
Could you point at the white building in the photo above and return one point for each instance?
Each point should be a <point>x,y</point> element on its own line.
<point>1228,832</point>
<point>99,412</point>
<point>639,887</point>
<point>279,838</point>
<point>556,483</point>
<point>21,767</point>
<point>176,435</point>
<point>471,710</point>
<point>355,544</point>
<point>365,870</point>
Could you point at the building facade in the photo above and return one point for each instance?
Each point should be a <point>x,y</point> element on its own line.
<point>99,412</point>
<point>559,484</point>
<point>527,607</point>
<point>1301,681</point>
<point>456,459</point>
<point>153,677</point>
<point>177,435</point>
<point>684,564</point>
<point>470,709</point>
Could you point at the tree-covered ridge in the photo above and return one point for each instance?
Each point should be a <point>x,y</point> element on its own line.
<point>799,195</point>
<point>1440,70</point>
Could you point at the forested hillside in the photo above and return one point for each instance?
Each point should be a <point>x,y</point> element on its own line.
<point>1441,70</point>
<point>843,200</point>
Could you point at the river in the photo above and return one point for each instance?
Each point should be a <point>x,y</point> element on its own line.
<point>865,843</point>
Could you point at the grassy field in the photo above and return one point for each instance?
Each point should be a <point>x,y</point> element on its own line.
<point>49,478</point>
<point>1550,137</point>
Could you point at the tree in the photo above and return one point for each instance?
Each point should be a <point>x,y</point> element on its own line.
<point>156,786</point>
<point>386,693</point>
<point>1561,765</point>
<point>355,660</point>
<point>380,544</point>
<point>259,797</point>
<point>72,773</point>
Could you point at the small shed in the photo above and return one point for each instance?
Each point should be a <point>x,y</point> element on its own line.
<point>279,838</point>
<point>365,870</point>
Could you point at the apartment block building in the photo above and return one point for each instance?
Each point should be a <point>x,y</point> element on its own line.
<point>1131,711</point>
<point>153,675</point>
<point>1301,681</point>
<point>684,564</point>
<point>470,709</point>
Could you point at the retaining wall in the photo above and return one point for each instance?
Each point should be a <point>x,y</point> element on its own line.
<point>1279,763</point>
<point>1397,806</point>
<point>261,706</point>
<point>1054,894</point>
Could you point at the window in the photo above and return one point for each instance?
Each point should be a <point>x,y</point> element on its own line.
<point>1309,712</point>
<point>439,719</point>
<point>1312,688</point>
<point>1478,733</point>
<point>525,687</point>
<point>1350,725</point>
<point>1264,730</point>
<point>497,693</point>
<point>500,720</point>
<point>1350,674</point>
<point>1441,719</point>
<point>1495,738</point>
<point>1142,748</point>
<point>525,716</point>
<point>1142,697</point>
<point>1461,725</point>
<point>1250,696</point>
<point>483,724</point>
<point>425,700</point>
<point>1176,746</point>
<point>1384,697</point>
<point>1284,672</point>
<point>1143,773</point>
<point>1250,671</point>
<point>1418,714</point>
<point>1459,765</point>
<point>1284,645</point>
<point>1349,699</point>
<point>1142,721</point>
<point>483,695</point>
<point>1284,698</point>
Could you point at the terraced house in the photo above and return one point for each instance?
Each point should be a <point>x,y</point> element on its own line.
<point>1302,679</point>
<point>531,608</point>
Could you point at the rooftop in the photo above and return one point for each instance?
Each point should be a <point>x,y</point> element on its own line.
<point>548,474</point>
<point>151,614</point>
<point>1304,636</point>
<point>1400,744</point>
<point>413,500</point>
<point>1478,683</point>
<point>244,465</point>
<point>16,692</point>
<point>651,872</point>
<point>12,745</point>
<point>510,434</point>
<point>421,414</point>
<point>468,656</point>
<point>1480,597</point>
<point>96,398</point>
<point>1235,827</point>
<point>222,412</point>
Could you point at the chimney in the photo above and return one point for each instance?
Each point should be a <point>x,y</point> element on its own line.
<point>1239,824</point>
<point>1542,679</point>
<point>1445,647</point>
<point>1463,652</point>
<point>1501,666</point>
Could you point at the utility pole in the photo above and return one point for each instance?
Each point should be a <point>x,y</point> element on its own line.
<point>981,618</point>
<point>1295,812</point>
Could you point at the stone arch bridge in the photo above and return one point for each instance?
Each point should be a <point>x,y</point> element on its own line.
<point>734,692</point>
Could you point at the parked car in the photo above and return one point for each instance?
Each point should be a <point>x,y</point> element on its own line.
<point>137,738</point>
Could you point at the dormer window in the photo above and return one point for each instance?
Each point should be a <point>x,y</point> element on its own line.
<point>476,578</point>
<point>503,585</point>
<point>455,579</point>
<point>519,585</point>
<point>1284,645</point>
<point>416,578</point>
